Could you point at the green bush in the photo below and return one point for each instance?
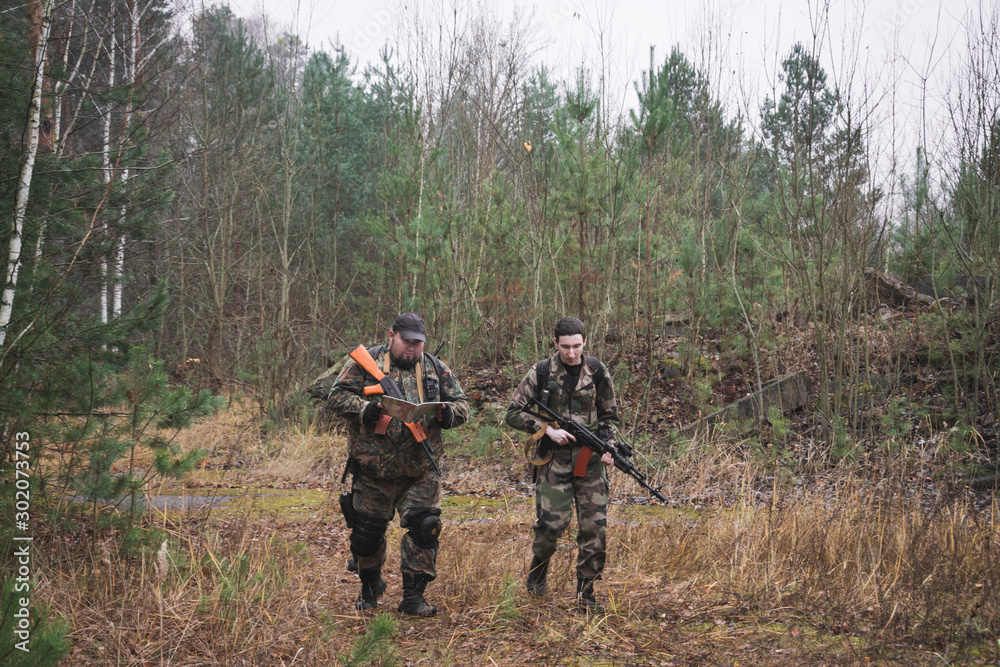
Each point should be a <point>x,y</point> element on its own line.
<point>43,640</point>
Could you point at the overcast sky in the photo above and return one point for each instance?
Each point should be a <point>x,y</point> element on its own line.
<point>898,51</point>
<point>363,26</point>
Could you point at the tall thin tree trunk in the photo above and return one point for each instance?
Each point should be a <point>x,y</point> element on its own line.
<point>41,15</point>
<point>57,102</point>
<point>131,56</point>
<point>182,301</point>
<point>420,214</point>
<point>67,124</point>
<point>106,161</point>
<point>284,240</point>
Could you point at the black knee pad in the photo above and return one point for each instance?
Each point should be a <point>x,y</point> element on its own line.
<point>367,535</point>
<point>425,529</point>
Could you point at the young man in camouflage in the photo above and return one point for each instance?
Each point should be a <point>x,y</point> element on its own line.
<point>578,387</point>
<point>390,472</point>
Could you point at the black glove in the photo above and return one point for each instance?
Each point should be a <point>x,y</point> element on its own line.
<point>372,413</point>
<point>447,419</point>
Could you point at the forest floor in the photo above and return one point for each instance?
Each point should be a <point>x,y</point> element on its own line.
<point>261,579</point>
<point>765,553</point>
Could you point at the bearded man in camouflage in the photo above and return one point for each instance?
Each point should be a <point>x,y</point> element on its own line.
<point>390,472</point>
<point>578,387</point>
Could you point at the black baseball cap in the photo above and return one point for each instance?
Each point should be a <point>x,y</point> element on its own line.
<point>410,326</point>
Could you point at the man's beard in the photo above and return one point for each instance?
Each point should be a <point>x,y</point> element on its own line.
<point>405,364</point>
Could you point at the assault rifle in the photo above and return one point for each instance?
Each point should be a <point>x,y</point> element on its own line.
<point>620,453</point>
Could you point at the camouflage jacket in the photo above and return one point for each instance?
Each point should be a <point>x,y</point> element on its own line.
<point>395,454</point>
<point>593,406</point>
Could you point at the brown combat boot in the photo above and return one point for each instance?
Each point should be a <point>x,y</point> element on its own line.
<point>413,603</point>
<point>537,574</point>
<point>372,586</point>
<point>585,600</point>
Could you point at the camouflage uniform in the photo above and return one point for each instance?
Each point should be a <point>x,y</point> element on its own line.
<point>556,488</point>
<point>390,472</point>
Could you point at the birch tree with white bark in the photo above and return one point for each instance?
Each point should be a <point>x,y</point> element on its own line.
<point>40,13</point>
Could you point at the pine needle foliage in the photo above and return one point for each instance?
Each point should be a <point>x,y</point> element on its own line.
<point>374,647</point>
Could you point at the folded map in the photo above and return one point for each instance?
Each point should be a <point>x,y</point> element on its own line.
<point>406,411</point>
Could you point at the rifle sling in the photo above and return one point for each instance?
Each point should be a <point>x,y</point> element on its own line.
<point>532,442</point>
<point>416,428</point>
<point>420,381</point>
<point>383,422</point>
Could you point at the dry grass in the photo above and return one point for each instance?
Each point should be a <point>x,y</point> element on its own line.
<point>747,566</point>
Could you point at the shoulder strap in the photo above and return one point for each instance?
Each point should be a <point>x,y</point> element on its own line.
<point>438,371</point>
<point>436,363</point>
<point>377,350</point>
<point>542,376</point>
<point>597,369</point>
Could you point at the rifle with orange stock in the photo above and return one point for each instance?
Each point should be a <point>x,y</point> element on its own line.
<point>388,387</point>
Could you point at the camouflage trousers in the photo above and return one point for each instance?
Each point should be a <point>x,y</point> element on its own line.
<point>556,491</point>
<point>413,498</point>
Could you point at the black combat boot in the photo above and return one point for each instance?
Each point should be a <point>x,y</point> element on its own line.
<point>536,576</point>
<point>413,602</point>
<point>585,600</point>
<point>372,586</point>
